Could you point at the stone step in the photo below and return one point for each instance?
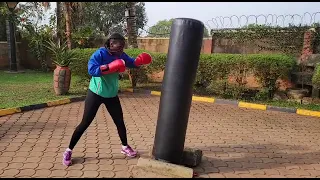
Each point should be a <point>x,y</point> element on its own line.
<point>302,78</point>
<point>313,60</point>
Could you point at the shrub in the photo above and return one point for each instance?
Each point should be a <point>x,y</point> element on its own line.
<point>225,89</point>
<point>80,65</point>
<point>267,68</point>
<point>37,37</point>
<point>316,77</point>
<point>217,87</point>
<point>262,95</point>
<point>220,66</point>
<point>60,54</point>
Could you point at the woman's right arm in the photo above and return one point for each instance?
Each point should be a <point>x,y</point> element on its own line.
<point>94,64</point>
<point>96,68</point>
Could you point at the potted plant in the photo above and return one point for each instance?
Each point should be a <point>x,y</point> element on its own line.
<point>61,57</point>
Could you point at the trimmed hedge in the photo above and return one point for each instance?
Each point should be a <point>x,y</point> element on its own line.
<point>267,68</point>
<point>316,77</point>
<point>80,67</point>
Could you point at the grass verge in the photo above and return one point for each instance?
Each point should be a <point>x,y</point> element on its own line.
<point>35,87</point>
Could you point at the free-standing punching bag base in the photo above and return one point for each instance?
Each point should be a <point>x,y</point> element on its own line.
<point>176,94</point>
<point>150,168</point>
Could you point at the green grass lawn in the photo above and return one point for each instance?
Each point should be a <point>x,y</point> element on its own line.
<point>34,87</point>
<point>313,107</point>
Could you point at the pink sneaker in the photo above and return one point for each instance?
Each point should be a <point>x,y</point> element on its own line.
<point>67,158</point>
<point>128,151</point>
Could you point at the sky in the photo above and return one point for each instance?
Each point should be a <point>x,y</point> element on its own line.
<point>205,11</point>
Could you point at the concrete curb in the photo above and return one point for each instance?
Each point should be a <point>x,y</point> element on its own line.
<point>239,104</point>
<point>4,112</point>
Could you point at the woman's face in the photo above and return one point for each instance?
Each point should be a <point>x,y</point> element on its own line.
<point>116,46</point>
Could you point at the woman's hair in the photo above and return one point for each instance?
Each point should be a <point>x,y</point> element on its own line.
<point>114,36</point>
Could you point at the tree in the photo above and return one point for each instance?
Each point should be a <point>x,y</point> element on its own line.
<point>84,19</point>
<point>91,20</point>
<point>106,17</point>
<point>3,35</point>
<point>163,28</point>
<point>132,38</point>
<point>141,16</point>
<point>68,22</point>
<point>132,26</point>
<point>29,17</point>
<point>58,22</point>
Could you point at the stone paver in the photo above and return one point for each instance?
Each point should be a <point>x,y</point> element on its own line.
<point>235,142</point>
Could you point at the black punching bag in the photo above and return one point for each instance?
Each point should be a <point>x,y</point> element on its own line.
<point>177,87</point>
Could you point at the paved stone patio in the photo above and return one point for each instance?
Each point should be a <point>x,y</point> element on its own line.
<point>236,142</point>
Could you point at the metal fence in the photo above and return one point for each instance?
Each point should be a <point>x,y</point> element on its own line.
<point>271,20</point>
<point>243,21</point>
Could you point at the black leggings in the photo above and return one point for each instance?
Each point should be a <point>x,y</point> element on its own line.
<point>92,104</point>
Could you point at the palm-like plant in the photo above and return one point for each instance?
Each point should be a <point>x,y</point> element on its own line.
<point>61,55</point>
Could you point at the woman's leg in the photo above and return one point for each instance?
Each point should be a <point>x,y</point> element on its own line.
<point>91,107</point>
<point>114,108</point>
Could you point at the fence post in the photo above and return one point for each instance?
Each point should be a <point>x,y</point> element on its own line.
<point>307,49</point>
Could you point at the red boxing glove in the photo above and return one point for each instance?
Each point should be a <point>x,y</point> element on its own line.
<point>115,66</point>
<point>122,68</point>
<point>142,59</point>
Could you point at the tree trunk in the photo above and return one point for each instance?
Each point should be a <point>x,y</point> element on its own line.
<point>132,26</point>
<point>3,33</point>
<point>77,14</point>
<point>10,45</point>
<point>68,23</point>
<point>132,39</point>
<point>58,14</point>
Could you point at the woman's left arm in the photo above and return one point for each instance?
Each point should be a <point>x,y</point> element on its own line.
<point>142,59</point>
<point>129,61</point>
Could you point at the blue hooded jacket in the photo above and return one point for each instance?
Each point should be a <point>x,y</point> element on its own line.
<point>107,85</point>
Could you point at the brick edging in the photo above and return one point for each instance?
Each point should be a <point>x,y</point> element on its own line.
<point>239,104</point>
<point>8,111</point>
